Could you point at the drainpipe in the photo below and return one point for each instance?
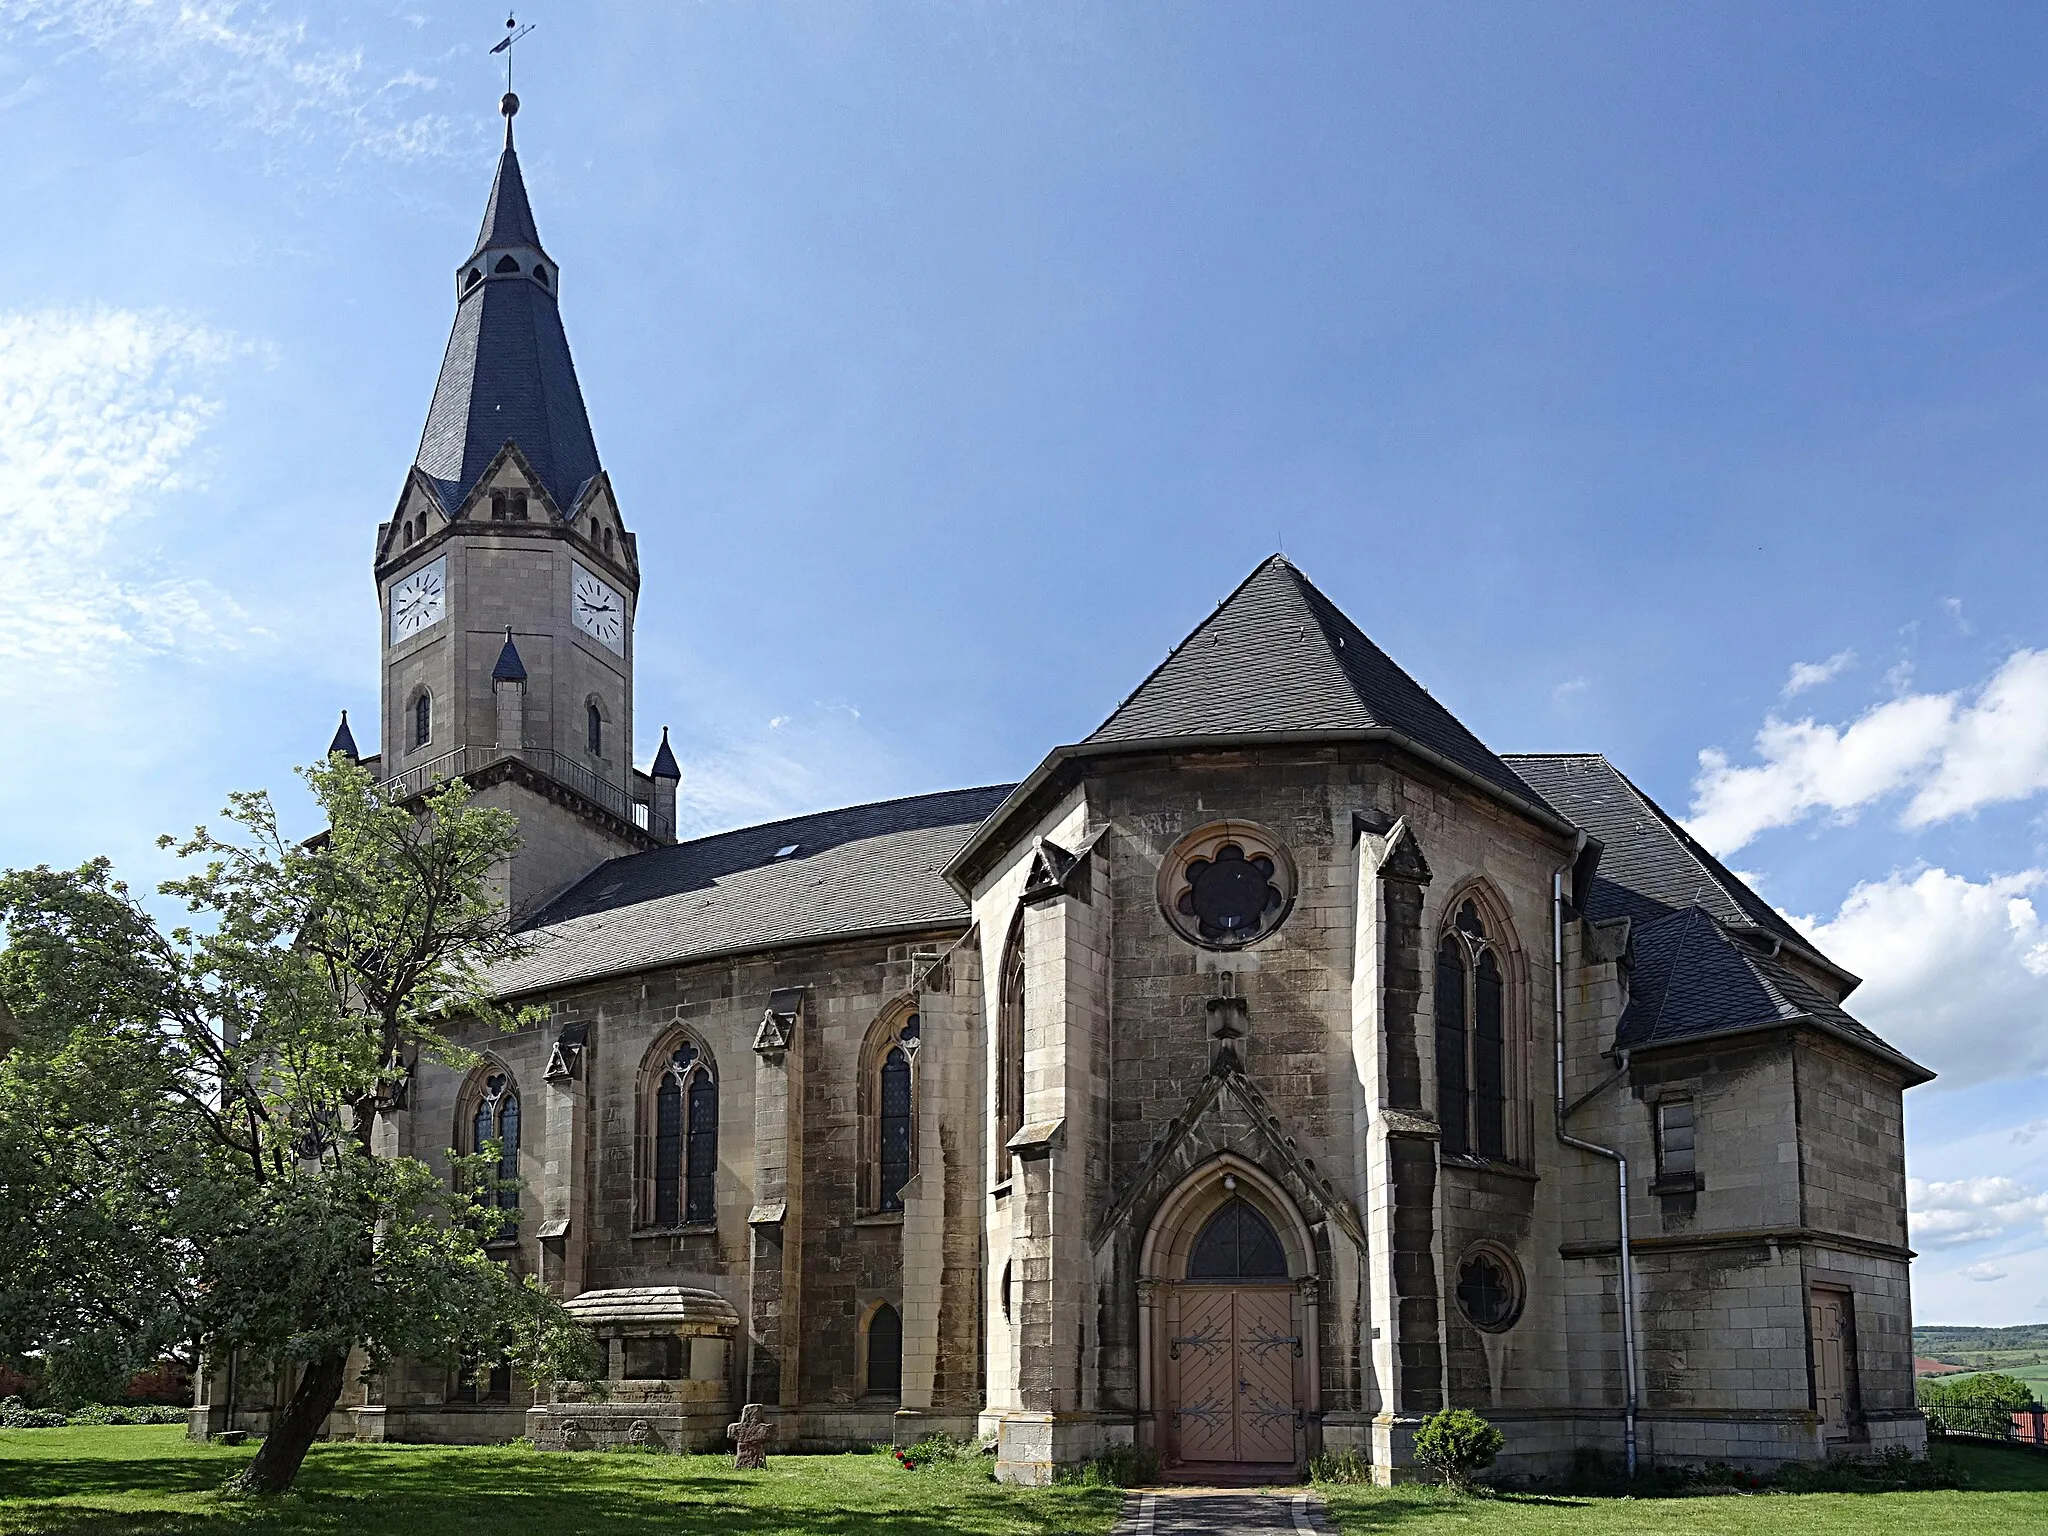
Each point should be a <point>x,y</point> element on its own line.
<point>1628,1266</point>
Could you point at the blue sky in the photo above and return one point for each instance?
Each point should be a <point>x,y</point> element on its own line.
<point>1666,382</point>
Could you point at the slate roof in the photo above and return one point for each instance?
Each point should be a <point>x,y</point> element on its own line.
<point>508,216</point>
<point>344,741</point>
<point>1699,936</point>
<point>507,375</point>
<point>1651,865</point>
<point>865,869</point>
<point>510,669</point>
<point>1692,979</point>
<point>1277,656</point>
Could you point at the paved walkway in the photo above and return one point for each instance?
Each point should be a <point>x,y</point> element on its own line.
<point>1222,1512</point>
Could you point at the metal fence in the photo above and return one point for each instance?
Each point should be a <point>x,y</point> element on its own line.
<point>565,771</point>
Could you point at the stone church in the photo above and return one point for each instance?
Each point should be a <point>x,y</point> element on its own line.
<point>1265,1071</point>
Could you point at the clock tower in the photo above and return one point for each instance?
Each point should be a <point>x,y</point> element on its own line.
<point>508,581</point>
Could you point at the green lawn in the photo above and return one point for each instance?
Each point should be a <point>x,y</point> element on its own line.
<point>2008,1493</point>
<point>151,1481</point>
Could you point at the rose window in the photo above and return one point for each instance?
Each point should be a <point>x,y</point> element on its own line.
<point>1489,1294</point>
<point>1227,885</point>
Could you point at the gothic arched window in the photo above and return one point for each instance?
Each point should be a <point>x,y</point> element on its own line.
<point>885,1352</point>
<point>494,1118</point>
<point>682,1119</point>
<point>593,725</point>
<point>1237,1243</point>
<point>1010,1045</point>
<point>423,719</point>
<point>1471,1039</point>
<point>888,1094</point>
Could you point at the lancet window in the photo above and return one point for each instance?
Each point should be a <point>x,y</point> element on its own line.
<point>1471,1038</point>
<point>889,1093</point>
<point>1010,1046</point>
<point>494,1119</point>
<point>681,1115</point>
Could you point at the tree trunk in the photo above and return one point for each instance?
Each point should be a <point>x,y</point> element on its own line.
<point>293,1429</point>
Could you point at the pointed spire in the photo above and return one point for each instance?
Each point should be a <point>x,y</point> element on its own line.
<point>344,742</point>
<point>508,216</point>
<point>507,376</point>
<point>664,761</point>
<point>510,669</point>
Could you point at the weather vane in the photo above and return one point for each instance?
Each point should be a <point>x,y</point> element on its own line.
<point>513,32</point>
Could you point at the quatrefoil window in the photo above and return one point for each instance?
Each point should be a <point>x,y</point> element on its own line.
<point>1227,885</point>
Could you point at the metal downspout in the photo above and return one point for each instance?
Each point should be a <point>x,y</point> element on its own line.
<point>1628,1267</point>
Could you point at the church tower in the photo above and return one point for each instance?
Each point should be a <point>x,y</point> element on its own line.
<point>508,582</point>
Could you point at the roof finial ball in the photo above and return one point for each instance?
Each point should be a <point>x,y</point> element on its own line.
<point>509,104</point>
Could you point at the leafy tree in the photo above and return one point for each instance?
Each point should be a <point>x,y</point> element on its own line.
<point>1973,1405</point>
<point>188,1123</point>
<point>1456,1443</point>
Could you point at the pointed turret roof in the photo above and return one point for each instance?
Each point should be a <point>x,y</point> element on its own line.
<point>344,741</point>
<point>664,761</point>
<point>507,376</point>
<point>510,669</point>
<point>508,216</point>
<point>1278,657</point>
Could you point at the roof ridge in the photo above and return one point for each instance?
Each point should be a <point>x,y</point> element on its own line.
<point>864,805</point>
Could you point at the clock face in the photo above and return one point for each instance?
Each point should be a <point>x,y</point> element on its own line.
<point>600,612</point>
<point>418,602</point>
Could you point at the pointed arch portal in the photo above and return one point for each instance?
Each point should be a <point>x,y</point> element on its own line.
<point>1227,1377</point>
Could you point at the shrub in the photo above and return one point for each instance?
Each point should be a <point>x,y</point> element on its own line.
<point>1456,1443</point>
<point>1349,1465</point>
<point>142,1413</point>
<point>14,1415</point>
<point>1122,1466</point>
<point>1973,1405</point>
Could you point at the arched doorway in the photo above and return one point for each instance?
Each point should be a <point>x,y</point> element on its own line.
<point>1228,1309</point>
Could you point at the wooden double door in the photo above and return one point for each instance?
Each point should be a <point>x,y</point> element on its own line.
<point>1231,1374</point>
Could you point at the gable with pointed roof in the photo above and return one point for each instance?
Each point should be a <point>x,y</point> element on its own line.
<point>1277,656</point>
<point>1279,662</point>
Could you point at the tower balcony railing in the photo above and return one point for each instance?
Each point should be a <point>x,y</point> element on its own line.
<point>565,771</point>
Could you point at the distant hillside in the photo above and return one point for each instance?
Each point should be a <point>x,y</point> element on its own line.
<point>1942,1342</point>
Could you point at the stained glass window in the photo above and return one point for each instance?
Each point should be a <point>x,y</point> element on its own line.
<point>1471,1040</point>
<point>1237,1243</point>
<point>685,1140</point>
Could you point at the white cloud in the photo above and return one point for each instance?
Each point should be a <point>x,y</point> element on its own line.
<point>1983,1274</point>
<point>1955,971</point>
<point>2027,1133</point>
<point>1954,1211</point>
<point>257,70</point>
<point>1954,757</point>
<point>99,412</point>
<point>1811,674</point>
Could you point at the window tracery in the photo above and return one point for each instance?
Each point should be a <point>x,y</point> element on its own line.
<point>889,1097</point>
<point>1472,1057</point>
<point>1010,1045</point>
<point>680,1114</point>
<point>494,1118</point>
